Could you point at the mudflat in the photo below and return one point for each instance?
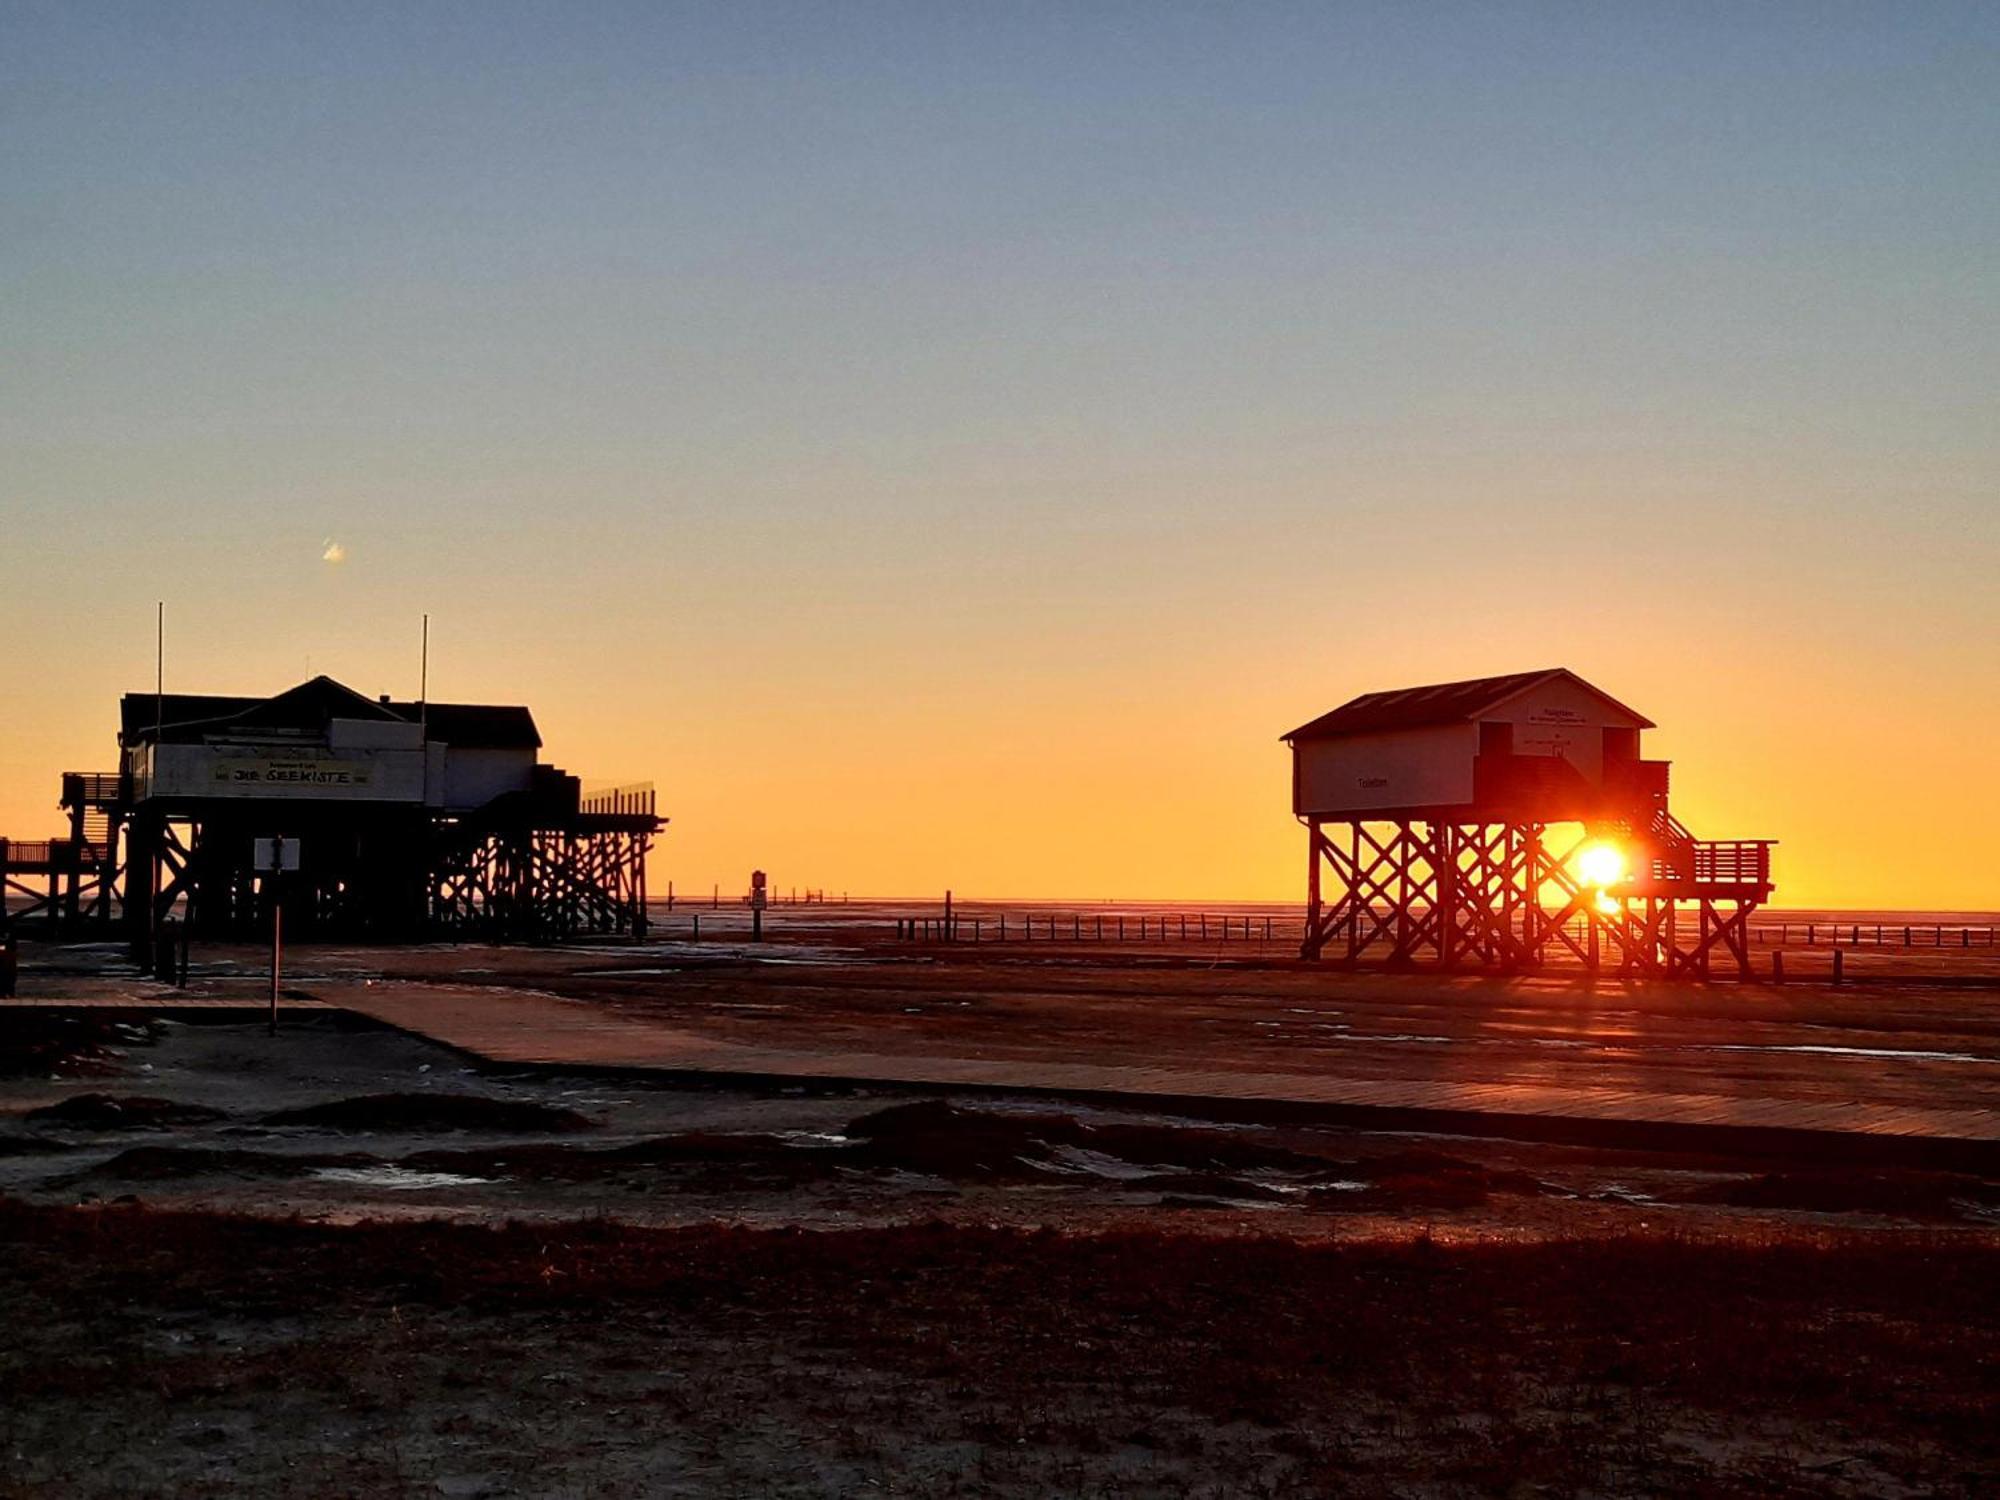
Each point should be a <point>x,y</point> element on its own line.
<point>349,1259</point>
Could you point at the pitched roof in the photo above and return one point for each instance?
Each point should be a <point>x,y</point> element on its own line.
<point>1439,703</point>
<point>311,704</point>
<point>138,712</point>
<point>484,726</point>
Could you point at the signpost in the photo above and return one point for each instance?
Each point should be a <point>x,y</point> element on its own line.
<point>272,857</point>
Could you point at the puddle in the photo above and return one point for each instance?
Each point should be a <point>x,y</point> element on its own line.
<point>1400,1036</point>
<point>1097,1164</point>
<point>1873,1054</point>
<point>731,947</point>
<point>400,1178</point>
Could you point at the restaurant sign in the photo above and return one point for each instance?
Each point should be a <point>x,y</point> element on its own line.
<point>318,776</point>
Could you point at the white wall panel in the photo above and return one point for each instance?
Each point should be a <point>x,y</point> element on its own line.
<point>1397,768</point>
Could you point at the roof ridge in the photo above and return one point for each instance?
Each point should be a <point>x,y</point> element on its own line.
<point>1430,704</point>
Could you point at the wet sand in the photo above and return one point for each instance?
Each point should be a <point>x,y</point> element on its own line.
<point>811,1287</point>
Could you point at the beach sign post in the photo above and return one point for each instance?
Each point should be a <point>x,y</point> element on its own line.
<point>272,857</point>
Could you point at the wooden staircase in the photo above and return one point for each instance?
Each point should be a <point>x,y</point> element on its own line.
<point>1682,864</point>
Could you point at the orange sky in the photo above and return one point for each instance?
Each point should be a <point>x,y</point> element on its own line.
<point>917,739</point>
<point>947,445</point>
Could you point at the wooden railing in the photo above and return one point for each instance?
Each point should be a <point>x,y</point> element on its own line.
<point>638,798</point>
<point>1098,927</point>
<point>38,856</point>
<point>90,788</point>
<point>1681,858</point>
<point>1732,862</point>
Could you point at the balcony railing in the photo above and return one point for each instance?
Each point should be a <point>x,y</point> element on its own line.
<point>91,788</point>
<point>638,798</point>
<point>1732,862</point>
<point>40,856</point>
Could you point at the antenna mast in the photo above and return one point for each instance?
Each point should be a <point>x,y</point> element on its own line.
<point>424,682</point>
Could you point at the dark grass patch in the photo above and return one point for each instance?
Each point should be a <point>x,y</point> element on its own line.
<point>696,1161</point>
<point>45,1044</point>
<point>930,1139</point>
<point>1429,1179</point>
<point>957,1145</point>
<point>123,1112</point>
<point>418,1112</point>
<point>1888,1338</point>
<point>941,1140</point>
<point>1942,1197</point>
<point>945,1140</point>
<point>1206,1185</point>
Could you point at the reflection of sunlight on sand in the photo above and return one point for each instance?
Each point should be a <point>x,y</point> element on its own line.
<point>1865,1054</point>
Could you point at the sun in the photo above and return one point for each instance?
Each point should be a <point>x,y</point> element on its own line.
<point>1601,864</point>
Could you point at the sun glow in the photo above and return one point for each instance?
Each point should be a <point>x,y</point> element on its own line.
<point>1600,865</point>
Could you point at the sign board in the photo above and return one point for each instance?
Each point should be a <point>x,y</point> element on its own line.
<point>318,773</point>
<point>274,854</point>
<point>301,773</point>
